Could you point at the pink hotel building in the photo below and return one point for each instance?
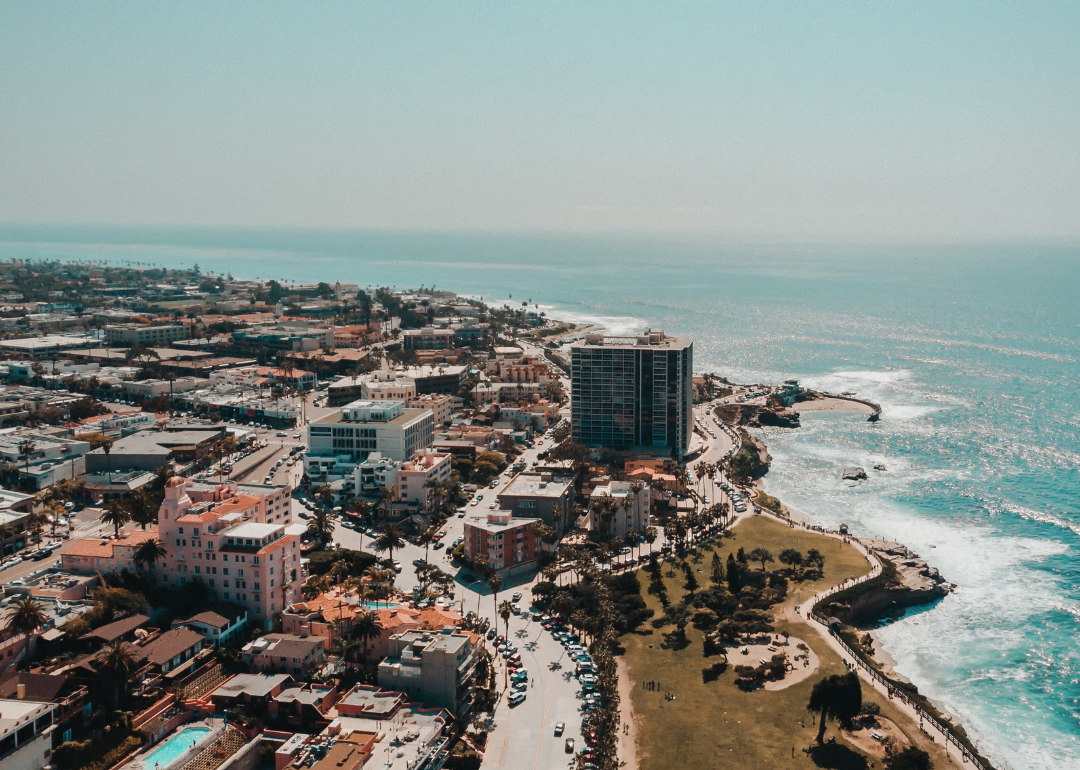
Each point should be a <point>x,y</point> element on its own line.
<point>233,542</point>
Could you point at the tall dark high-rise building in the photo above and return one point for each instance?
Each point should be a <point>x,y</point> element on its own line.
<point>632,392</point>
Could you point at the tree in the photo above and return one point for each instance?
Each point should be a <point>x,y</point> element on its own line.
<point>321,526</point>
<point>26,449</point>
<point>495,582</point>
<point>116,515</point>
<point>815,561</point>
<point>733,576</point>
<point>791,557</point>
<point>117,662</point>
<point>651,534</point>
<point>838,696</point>
<point>760,554</point>
<point>717,575</point>
<point>577,454</point>
<point>911,758</point>
<point>106,447</point>
<point>388,539</point>
<point>148,552</point>
<point>506,609</point>
<point>25,617</point>
<point>142,507</point>
<point>366,628</point>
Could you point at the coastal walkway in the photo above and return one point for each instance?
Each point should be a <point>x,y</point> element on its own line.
<point>927,723</point>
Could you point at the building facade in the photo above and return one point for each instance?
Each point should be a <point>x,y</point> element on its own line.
<point>546,496</point>
<point>437,669</point>
<point>233,543</point>
<point>340,441</point>
<point>146,336</point>
<point>633,392</point>
<point>507,542</point>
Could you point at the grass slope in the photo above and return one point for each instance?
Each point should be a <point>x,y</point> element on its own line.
<point>713,724</point>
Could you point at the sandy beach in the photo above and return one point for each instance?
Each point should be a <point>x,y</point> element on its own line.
<point>831,404</point>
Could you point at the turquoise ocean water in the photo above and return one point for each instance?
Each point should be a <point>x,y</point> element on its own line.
<point>973,352</point>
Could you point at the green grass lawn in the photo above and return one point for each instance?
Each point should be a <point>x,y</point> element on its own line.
<point>714,724</point>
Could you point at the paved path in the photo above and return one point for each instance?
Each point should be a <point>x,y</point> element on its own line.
<point>806,610</point>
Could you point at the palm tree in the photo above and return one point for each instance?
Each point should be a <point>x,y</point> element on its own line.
<point>106,446</point>
<point>27,447</point>
<point>56,510</point>
<point>148,553</point>
<point>362,508</point>
<point>506,609</point>
<point>141,507</point>
<point>389,538</point>
<point>495,582</point>
<point>366,628</point>
<point>25,617</point>
<point>650,537</point>
<point>322,526</point>
<point>117,662</point>
<point>116,515</point>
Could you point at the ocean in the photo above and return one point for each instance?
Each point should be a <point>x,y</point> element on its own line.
<point>972,351</point>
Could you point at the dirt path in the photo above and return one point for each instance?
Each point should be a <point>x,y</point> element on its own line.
<point>627,739</point>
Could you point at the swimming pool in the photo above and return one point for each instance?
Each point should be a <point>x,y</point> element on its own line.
<point>379,605</point>
<point>173,748</point>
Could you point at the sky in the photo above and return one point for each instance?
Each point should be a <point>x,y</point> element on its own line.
<point>836,121</point>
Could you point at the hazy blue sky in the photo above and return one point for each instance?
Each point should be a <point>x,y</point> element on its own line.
<point>887,120</point>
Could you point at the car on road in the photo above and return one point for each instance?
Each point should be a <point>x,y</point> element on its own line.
<point>438,544</point>
<point>521,685</point>
<point>516,698</point>
<point>396,565</point>
<point>491,634</point>
<point>419,562</point>
<point>516,597</point>
<point>296,435</point>
<point>569,745</point>
<point>281,434</point>
<point>559,728</point>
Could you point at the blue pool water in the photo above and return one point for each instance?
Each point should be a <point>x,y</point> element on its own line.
<point>973,353</point>
<point>173,748</point>
<point>378,605</point>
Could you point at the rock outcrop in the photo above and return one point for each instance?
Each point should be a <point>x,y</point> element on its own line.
<point>854,474</point>
<point>753,416</point>
<point>910,583</point>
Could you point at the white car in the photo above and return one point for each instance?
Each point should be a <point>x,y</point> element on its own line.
<point>516,698</point>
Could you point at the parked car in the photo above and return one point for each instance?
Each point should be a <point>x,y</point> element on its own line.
<point>569,745</point>
<point>516,698</point>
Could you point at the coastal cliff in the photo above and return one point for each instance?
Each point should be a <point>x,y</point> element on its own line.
<point>751,461</point>
<point>752,416</point>
<point>905,581</point>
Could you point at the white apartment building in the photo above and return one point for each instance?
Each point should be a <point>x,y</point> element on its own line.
<point>340,441</point>
<point>631,510</point>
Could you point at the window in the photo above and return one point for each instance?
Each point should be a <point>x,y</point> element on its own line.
<point>224,570</point>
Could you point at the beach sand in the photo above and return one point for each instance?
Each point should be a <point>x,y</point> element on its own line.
<point>830,404</point>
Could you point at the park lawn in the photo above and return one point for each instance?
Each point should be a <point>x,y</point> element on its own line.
<point>714,724</point>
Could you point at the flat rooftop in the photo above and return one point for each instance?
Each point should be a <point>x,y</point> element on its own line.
<point>254,685</point>
<point>15,713</point>
<point>650,340</point>
<point>253,530</point>
<point>406,416</point>
<point>545,485</point>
